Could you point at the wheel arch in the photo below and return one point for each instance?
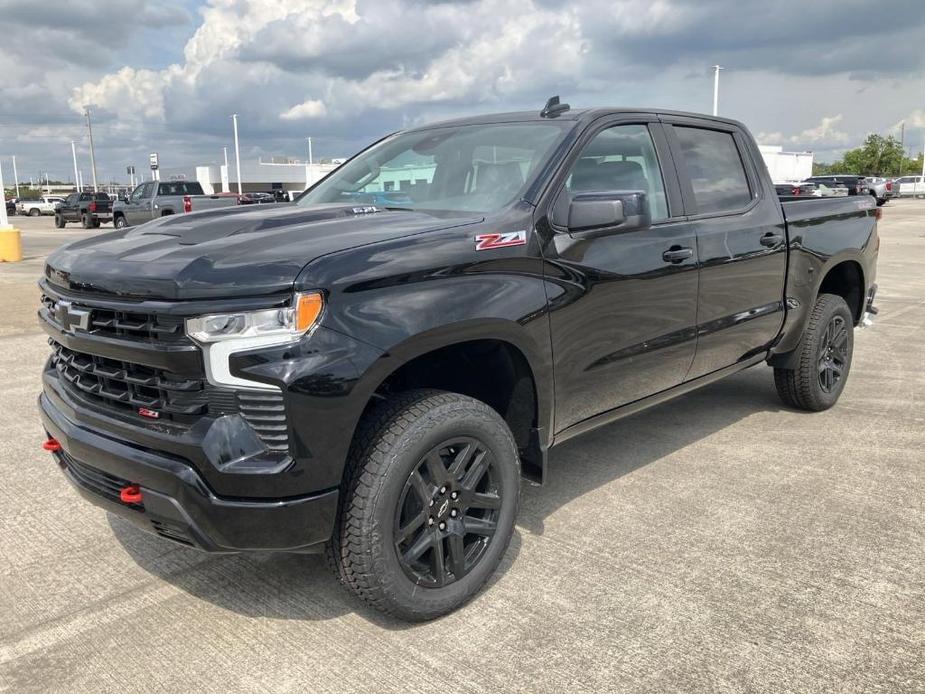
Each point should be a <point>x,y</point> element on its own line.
<point>846,279</point>
<point>491,360</point>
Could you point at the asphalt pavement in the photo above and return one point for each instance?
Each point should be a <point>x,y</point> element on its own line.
<point>717,543</point>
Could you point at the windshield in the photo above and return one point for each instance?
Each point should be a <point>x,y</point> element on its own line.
<point>470,168</point>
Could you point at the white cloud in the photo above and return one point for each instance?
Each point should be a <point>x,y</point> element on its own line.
<point>826,131</point>
<point>312,108</point>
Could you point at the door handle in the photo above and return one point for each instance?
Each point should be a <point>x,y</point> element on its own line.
<point>676,254</point>
<point>771,240</point>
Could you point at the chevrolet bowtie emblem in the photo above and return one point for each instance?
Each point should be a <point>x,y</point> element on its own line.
<point>70,318</point>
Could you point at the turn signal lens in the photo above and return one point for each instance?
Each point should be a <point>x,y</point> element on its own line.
<point>307,309</point>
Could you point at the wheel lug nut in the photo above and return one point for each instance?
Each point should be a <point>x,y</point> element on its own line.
<point>454,513</point>
<point>430,521</point>
<point>454,496</point>
<point>442,525</point>
<point>431,503</point>
<point>443,490</point>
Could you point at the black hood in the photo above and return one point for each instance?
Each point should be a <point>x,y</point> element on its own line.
<point>244,251</point>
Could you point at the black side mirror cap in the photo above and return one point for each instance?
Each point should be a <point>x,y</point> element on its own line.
<point>591,213</point>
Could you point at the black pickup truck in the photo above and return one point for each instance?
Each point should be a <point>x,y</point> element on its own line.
<point>375,380</point>
<point>89,209</point>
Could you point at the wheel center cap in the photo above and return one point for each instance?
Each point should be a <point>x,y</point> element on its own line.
<point>444,507</point>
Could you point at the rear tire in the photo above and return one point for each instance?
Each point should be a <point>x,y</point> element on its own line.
<point>120,222</point>
<point>881,202</point>
<point>35,212</point>
<point>428,504</point>
<point>59,221</point>
<point>824,358</point>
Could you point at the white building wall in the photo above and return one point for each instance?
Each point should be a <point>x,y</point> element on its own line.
<point>256,176</point>
<point>785,167</point>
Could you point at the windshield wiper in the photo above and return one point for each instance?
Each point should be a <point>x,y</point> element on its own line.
<point>399,209</point>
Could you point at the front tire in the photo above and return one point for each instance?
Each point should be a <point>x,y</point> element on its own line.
<point>120,222</point>
<point>59,222</point>
<point>428,505</point>
<point>35,212</point>
<point>824,358</point>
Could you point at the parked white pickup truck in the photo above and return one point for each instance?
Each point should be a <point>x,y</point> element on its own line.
<point>44,205</point>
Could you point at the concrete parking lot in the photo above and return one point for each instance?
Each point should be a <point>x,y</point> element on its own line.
<point>718,543</point>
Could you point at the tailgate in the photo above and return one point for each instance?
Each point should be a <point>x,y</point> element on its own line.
<point>200,203</point>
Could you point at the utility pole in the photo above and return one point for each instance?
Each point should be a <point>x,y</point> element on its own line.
<point>902,146</point>
<point>80,180</point>
<point>92,154</point>
<point>15,176</point>
<point>237,151</point>
<point>47,184</point>
<point>74,155</point>
<point>716,69</point>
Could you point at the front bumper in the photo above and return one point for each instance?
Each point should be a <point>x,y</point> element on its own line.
<point>176,502</point>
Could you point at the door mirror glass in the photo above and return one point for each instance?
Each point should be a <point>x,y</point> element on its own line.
<point>589,212</point>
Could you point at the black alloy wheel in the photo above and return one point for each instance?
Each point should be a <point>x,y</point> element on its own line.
<point>428,504</point>
<point>819,366</point>
<point>833,356</point>
<point>447,513</point>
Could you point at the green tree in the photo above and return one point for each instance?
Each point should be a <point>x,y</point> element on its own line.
<point>878,156</point>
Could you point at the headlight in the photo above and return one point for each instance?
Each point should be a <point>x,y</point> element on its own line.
<point>290,322</point>
<point>222,334</point>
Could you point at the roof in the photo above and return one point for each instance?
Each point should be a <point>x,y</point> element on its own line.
<point>577,114</point>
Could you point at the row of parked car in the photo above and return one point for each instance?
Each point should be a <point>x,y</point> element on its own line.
<point>149,200</point>
<point>837,185</point>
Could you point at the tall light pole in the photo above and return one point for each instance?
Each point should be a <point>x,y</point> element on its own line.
<point>311,166</point>
<point>4,221</point>
<point>74,155</point>
<point>716,69</point>
<point>92,154</point>
<point>15,176</point>
<point>237,151</point>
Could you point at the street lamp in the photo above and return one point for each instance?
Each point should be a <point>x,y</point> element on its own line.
<point>716,69</point>
<point>76,175</point>
<point>92,154</point>
<point>15,176</point>
<point>237,151</point>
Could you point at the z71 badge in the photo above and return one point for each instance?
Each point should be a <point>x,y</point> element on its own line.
<point>486,242</point>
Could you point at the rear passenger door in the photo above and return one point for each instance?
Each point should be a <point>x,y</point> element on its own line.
<point>68,209</point>
<point>623,301</point>
<point>741,242</point>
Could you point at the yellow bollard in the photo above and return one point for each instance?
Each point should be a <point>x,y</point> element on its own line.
<point>10,245</point>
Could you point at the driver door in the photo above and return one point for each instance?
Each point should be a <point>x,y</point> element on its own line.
<point>624,308</point>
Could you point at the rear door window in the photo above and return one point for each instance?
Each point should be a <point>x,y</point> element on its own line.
<point>715,168</point>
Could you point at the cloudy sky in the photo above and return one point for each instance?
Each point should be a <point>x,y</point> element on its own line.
<point>164,75</point>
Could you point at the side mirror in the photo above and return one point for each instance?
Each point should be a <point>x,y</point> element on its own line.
<point>602,212</point>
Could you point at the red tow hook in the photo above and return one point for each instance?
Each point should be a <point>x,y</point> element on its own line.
<point>130,494</point>
<point>51,445</point>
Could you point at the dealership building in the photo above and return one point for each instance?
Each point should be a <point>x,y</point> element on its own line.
<point>279,173</point>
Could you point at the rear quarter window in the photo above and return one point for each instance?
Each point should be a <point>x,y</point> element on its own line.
<point>715,167</point>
